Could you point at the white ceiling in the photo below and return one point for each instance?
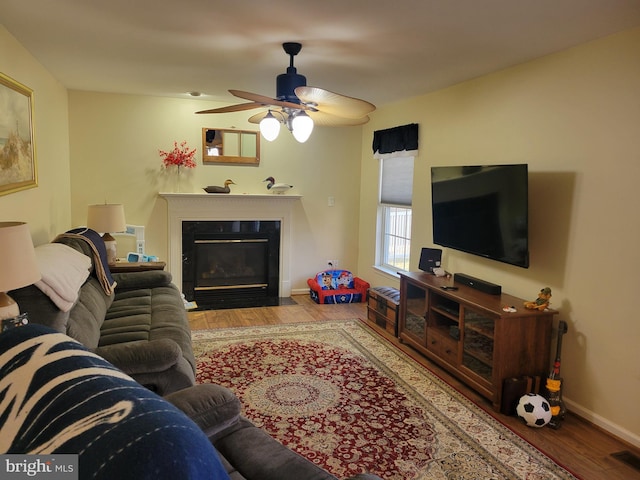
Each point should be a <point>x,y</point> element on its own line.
<point>380,51</point>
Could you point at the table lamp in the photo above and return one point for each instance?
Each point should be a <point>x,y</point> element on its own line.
<point>18,265</point>
<point>106,218</point>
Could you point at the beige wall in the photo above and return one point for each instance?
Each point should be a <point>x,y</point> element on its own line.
<point>46,207</point>
<point>574,117</point>
<point>114,158</point>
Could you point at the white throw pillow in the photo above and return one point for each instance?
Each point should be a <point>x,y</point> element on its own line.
<point>63,271</point>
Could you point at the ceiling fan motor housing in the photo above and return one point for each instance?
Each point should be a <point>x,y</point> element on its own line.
<point>286,83</point>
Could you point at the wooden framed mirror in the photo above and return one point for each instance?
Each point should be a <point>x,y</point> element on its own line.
<point>230,146</point>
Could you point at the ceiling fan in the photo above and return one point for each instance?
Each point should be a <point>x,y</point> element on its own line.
<point>298,106</point>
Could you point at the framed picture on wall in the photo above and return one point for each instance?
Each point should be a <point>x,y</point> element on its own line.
<point>17,148</point>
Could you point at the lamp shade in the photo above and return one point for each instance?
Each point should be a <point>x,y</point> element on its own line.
<point>106,218</point>
<point>18,265</point>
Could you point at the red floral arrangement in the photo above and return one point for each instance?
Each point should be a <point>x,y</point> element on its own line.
<point>180,156</point>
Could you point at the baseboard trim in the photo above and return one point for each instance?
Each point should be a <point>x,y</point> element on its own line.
<point>610,427</point>
<point>300,291</point>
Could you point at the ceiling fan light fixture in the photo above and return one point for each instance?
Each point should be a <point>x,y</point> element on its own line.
<point>269,127</point>
<point>301,127</point>
<point>293,98</point>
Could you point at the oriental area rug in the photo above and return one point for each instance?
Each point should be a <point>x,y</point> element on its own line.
<point>347,399</point>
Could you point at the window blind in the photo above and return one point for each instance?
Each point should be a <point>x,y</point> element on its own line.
<point>396,183</point>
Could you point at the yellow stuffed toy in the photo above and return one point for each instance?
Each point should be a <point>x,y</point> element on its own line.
<point>542,302</point>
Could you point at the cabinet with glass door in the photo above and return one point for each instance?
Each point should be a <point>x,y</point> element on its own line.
<point>471,335</point>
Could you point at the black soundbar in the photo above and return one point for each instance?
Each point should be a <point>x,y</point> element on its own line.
<point>482,285</point>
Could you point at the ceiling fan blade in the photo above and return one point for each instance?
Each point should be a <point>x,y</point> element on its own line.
<point>334,103</point>
<point>234,108</point>
<point>321,119</point>
<point>266,101</point>
<point>324,119</point>
<point>259,116</point>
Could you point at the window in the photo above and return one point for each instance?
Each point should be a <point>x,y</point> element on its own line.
<point>396,238</point>
<point>394,213</point>
<point>395,148</point>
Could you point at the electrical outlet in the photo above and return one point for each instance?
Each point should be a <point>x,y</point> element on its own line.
<point>332,263</point>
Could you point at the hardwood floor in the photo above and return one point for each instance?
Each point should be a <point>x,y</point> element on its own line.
<point>580,446</point>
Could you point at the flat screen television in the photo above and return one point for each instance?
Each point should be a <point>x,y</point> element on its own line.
<point>482,210</point>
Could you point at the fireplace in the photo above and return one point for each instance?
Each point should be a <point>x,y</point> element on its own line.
<point>204,207</point>
<point>228,264</point>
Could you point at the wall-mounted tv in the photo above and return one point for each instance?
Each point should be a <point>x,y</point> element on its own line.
<point>482,210</point>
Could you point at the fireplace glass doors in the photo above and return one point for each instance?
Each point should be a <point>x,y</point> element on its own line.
<point>229,264</point>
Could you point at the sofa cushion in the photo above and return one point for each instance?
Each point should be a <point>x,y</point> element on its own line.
<point>83,322</point>
<point>335,279</point>
<point>148,314</point>
<point>40,308</point>
<point>145,279</point>
<point>87,316</point>
<point>213,407</point>
<point>135,358</point>
<point>267,459</point>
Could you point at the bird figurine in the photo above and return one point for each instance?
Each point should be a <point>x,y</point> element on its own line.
<point>278,188</point>
<point>219,189</point>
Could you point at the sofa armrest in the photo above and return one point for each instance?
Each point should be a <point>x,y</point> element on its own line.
<point>142,357</point>
<point>360,284</point>
<point>40,308</point>
<point>212,407</point>
<point>146,279</point>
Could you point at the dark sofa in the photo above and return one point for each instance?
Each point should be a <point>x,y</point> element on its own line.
<point>141,328</point>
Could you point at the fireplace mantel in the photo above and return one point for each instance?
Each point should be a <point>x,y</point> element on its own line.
<point>231,196</point>
<point>208,206</point>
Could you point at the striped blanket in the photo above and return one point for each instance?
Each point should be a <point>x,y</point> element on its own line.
<point>95,242</point>
<point>57,397</point>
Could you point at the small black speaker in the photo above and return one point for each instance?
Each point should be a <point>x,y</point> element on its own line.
<point>482,285</point>
<point>430,258</point>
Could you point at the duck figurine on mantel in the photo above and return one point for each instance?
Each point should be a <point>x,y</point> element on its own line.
<point>278,188</point>
<point>219,189</point>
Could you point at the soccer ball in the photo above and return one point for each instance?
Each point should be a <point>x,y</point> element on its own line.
<point>534,410</point>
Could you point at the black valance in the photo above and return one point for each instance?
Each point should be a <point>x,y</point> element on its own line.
<point>396,141</point>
